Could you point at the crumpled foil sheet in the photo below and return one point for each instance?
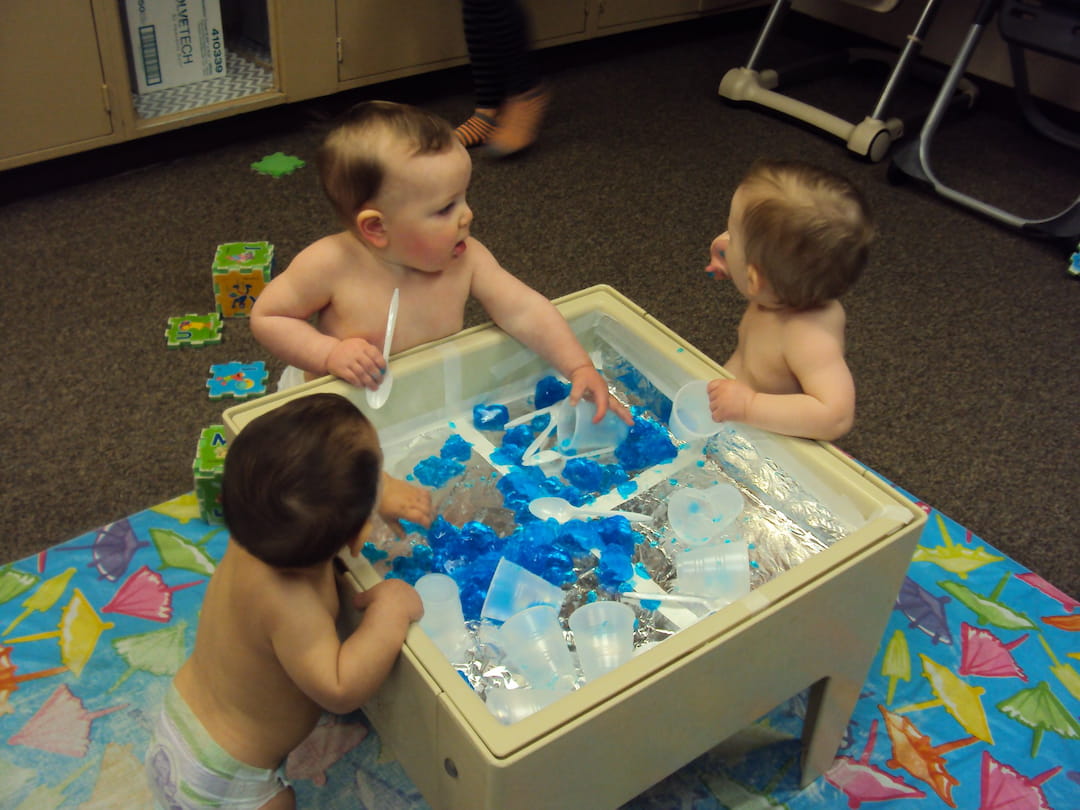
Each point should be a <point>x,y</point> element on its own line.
<point>782,522</point>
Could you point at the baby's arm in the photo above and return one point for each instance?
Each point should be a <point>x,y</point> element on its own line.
<point>824,410</point>
<point>532,319</point>
<point>341,676</point>
<point>280,321</point>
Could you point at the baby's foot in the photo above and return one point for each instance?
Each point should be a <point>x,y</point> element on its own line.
<point>403,501</point>
<point>477,129</point>
<point>519,122</point>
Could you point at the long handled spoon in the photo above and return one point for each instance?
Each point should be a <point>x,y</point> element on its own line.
<point>377,398</point>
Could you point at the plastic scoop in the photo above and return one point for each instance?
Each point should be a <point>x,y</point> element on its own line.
<point>377,398</point>
<point>562,510</point>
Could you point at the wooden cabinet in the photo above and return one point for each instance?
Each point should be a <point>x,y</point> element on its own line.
<point>380,40</point>
<point>52,87</point>
<point>65,72</point>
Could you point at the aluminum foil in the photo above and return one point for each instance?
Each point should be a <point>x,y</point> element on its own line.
<point>782,521</point>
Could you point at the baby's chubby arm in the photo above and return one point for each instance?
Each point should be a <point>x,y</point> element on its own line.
<point>340,676</point>
<point>824,410</point>
<point>532,319</point>
<point>279,319</point>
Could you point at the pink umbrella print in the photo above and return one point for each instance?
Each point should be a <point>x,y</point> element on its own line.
<point>1005,788</point>
<point>145,595</point>
<point>862,782</point>
<point>984,654</point>
<point>61,725</point>
<point>112,549</point>
<point>1037,582</point>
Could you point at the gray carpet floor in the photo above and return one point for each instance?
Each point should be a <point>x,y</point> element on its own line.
<point>963,333</point>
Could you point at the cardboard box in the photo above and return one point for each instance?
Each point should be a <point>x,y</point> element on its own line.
<point>817,625</point>
<point>174,42</point>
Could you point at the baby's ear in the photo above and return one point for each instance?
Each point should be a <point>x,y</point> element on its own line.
<point>755,282</point>
<point>370,226</point>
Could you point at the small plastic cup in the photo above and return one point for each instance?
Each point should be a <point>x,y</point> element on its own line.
<point>691,417</point>
<point>717,570</point>
<point>511,705</point>
<point>603,635</point>
<point>535,646</point>
<point>514,588</point>
<point>576,433</point>
<point>699,515</point>
<point>443,620</point>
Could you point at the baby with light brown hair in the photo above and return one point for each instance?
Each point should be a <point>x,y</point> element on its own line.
<point>798,238</point>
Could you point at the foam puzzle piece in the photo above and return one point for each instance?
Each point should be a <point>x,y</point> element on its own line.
<point>1074,262</point>
<point>237,380</point>
<point>193,330</point>
<point>240,271</point>
<point>278,164</point>
<point>207,469</point>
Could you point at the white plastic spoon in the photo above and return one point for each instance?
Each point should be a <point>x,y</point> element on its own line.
<point>377,398</point>
<point>562,510</point>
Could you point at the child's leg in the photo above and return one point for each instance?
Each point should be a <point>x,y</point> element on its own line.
<point>519,122</point>
<point>286,800</point>
<point>401,500</point>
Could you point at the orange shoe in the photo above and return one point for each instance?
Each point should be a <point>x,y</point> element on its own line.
<point>518,123</point>
<point>476,130</point>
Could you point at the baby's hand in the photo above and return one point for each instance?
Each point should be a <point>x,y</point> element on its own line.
<point>392,594</point>
<point>401,500</point>
<point>357,362</point>
<point>729,400</point>
<point>586,381</point>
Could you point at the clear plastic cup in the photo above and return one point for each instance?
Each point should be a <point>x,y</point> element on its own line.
<point>443,620</point>
<point>603,635</point>
<point>691,417</point>
<point>576,433</point>
<point>699,515</point>
<point>511,705</point>
<point>535,646</point>
<point>717,570</point>
<point>514,588</point>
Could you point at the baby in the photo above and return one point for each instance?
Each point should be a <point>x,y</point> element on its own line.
<point>797,239</point>
<point>397,177</point>
<point>301,483</point>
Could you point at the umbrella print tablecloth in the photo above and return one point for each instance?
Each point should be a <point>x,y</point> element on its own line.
<point>972,701</point>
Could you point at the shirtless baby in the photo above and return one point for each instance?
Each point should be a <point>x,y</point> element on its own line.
<point>397,178</point>
<point>797,239</point>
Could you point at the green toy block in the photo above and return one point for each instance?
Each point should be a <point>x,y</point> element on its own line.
<point>208,470</point>
<point>240,272</point>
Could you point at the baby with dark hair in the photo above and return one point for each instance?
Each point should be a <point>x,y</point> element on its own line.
<point>797,239</point>
<point>301,484</point>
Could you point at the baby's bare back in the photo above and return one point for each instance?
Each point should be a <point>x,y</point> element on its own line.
<point>233,681</point>
<point>761,356</point>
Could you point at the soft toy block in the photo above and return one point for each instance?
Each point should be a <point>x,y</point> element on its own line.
<point>240,272</point>
<point>208,469</point>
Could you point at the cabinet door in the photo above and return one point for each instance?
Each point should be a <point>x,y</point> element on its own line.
<point>380,37</point>
<point>51,83</point>
<point>391,37</point>
<point>626,12</point>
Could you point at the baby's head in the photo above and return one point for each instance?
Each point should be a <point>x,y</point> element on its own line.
<point>355,156</point>
<point>807,230</point>
<point>302,480</point>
